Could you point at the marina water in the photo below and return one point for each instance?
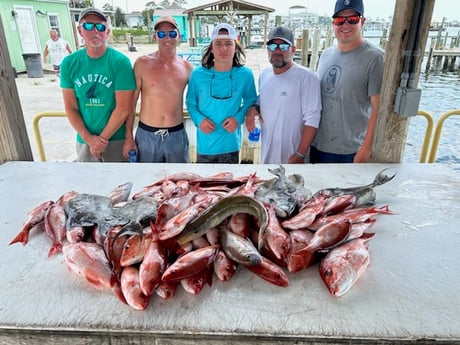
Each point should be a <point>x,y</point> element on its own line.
<point>440,94</point>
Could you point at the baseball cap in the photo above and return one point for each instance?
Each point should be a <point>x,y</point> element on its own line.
<point>356,5</point>
<point>93,11</point>
<point>281,33</point>
<point>223,26</point>
<point>166,19</point>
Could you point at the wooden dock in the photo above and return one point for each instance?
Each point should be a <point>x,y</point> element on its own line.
<point>444,60</point>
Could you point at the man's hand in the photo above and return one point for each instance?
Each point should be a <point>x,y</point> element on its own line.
<point>97,146</point>
<point>207,126</point>
<point>230,124</point>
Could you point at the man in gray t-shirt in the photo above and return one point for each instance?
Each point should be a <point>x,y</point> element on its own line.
<point>351,76</point>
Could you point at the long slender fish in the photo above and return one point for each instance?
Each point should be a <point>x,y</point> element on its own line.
<point>365,194</point>
<point>380,179</point>
<point>217,213</point>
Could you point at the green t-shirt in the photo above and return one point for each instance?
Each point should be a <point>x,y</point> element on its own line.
<point>95,82</point>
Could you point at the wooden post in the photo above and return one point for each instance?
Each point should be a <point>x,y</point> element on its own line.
<point>14,142</point>
<point>315,49</point>
<point>391,129</point>
<point>304,48</point>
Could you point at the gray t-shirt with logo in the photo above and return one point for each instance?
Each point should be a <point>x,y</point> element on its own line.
<point>348,80</point>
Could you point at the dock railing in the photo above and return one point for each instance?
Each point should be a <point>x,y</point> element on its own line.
<point>247,154</point>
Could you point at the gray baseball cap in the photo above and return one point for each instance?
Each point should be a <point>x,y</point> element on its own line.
<point>86,12</point>
<point>281,33</point>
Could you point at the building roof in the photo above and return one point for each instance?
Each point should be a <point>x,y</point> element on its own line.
<point>243,7</point>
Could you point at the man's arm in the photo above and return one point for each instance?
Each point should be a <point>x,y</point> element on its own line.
<point>120,114</point>
<point>129,134</point>
<point>45,53</point>
<point>308,134</point>
<point>67,46</point>
<point>364,153</point>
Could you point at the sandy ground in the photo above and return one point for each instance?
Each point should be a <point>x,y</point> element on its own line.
<point>44,95</point>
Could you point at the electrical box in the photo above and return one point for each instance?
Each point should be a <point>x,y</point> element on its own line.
<point>407,101</point>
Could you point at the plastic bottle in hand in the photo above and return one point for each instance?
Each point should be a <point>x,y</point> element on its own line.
<point>254,135</point>
<point>132,156</point>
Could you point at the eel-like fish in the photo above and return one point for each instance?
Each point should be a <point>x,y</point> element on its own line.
<point>218,212</point>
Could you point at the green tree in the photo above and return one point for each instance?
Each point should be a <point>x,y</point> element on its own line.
<point>81,4</point>
<point>120,17</point>
<point>107,7</point>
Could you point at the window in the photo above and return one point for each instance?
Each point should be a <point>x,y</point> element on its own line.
<point>53,20</point>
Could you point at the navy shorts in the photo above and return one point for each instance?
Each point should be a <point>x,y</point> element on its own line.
<point>317,156</point>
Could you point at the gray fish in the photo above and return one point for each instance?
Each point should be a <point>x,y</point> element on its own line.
<point>134,215</point>
<point>90,209</point>
<point>239,249</point>
<point>87,210</point>
<point>287,192</point>
<point>121,193</point>
<point>365,194</point>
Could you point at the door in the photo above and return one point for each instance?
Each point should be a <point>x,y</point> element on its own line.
<point>27,29</point>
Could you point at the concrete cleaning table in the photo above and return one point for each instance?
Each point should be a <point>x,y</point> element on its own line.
<point>409,294</point>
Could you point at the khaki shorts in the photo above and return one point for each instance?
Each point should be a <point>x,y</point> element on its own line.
<point>113,153</point>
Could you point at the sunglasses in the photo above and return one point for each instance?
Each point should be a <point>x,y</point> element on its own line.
<point>284,47</point>
<point>230,92</point>
<point>162,34</point>
<point>90,26</point>
<point>352,20</point>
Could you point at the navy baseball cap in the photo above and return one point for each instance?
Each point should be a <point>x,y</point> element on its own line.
<point>355,5</point>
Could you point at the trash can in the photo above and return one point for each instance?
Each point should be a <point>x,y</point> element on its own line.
<point>33,65</point>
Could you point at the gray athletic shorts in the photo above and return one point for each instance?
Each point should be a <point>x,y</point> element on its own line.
<point>162,145</point>
<point>113,152</point>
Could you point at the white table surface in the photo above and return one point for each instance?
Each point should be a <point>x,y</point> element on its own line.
<point>409,292</point>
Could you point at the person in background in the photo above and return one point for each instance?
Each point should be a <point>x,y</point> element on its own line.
<point>289,103</point>
<point>219,93</point>
<point>57,48</point>
<point>97,85</point>
<point>351,77</point>
<point>161,78</point>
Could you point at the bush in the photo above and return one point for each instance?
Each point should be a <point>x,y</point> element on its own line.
<point>132,31</point>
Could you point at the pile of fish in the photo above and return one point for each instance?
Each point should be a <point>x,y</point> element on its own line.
<point>185,228</point>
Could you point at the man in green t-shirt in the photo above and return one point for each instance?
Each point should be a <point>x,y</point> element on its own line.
<point>97,85</point>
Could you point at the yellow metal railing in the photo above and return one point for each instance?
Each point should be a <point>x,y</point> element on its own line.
<point>427,138</point>
<point>437,133</point>
<point>423,155</point>
<point>37,133</point>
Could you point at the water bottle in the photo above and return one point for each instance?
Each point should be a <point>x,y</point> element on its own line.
<point>132,156</point>
<point>254,135</point>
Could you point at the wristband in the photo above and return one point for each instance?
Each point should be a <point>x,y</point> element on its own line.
<point>298,154</point>
<point>104,141</point>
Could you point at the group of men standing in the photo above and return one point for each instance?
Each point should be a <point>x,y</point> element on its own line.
<point>323,117</point>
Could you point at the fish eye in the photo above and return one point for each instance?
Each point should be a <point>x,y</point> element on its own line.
<point>328,273</point>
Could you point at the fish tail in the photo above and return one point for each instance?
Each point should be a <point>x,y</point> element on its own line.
<point>54,249</point>
<point>22,237</point>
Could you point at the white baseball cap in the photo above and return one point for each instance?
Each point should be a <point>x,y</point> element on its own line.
<point>223,26</point>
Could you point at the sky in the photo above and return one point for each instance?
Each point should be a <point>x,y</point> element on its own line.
<point>372,8</point>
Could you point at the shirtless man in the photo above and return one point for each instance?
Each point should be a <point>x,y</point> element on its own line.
<point>161,78</point>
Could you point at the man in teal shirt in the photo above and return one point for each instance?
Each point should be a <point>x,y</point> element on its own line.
<point>97,85</point>
<point>219,94</point>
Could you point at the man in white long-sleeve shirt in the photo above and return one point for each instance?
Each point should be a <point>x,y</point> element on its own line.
<point>289,103</point>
